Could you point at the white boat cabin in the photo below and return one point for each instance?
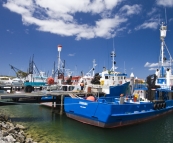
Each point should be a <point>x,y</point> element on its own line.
<point>110,78</point>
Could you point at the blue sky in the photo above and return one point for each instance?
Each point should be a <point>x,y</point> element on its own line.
<point>86,30</point>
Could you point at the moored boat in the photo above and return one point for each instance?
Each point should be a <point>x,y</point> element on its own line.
<point>108,82</point>
<point>109,112</point>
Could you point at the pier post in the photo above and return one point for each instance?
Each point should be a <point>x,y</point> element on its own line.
<point>62,106</point>
<point>11,89</point>
<point>53,103</point>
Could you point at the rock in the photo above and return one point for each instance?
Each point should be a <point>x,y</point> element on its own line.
<point>20,127</point>
<point>6,118</point>
<point>1,135</point>
<point>21,133</point>
<point>11,132</point>
<point>3,117</point>
<point>10,138</point>
<point>4,125</point>
<point>4,133</point>
<point>10,124</point>
<point>28,140</point>
<point>21,138</point>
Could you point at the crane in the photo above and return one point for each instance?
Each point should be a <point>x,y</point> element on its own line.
<point>19,73</point>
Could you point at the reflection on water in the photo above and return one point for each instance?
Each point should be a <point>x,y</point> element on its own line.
<point>47,127</point>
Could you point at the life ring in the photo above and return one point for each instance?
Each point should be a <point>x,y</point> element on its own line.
<point>155,106</point>
<point>158,106</point>
<point>161,105</point>
<point>164,105</point>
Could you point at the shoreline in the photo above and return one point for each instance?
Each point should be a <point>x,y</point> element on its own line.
<point>12,132</point>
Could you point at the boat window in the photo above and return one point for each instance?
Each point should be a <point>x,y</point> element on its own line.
<point>118,78</point>
<point>112,78</point>
<point>71,88</point>
<point>106,77</point>
<point>65,88</point>
<point>121,77</point>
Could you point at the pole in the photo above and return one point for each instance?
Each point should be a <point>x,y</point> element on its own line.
<point>61,108</point>
<point>94,67</point>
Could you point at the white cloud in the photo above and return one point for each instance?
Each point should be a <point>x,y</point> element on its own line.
<point>167,63</point>
<point>171,19</point>
<point>151,64</point>
<point>135,9</point>
<point>71,55</point>
<point>105,27</point>
<point>166,3</point>
<point>154,64</point>
<point>152,11</point>
<point>152,69</point>
<point>9,31</point>
<point>151,24</point>
<point>147,64</point>
<point>26,31</point>
<point>129,31</point>
<point>59,16</point>
<point>20,6</point>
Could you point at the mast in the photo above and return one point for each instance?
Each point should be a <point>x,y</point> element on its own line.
<point>113,60</point>
<point>163,30</point>
<point>59,60</point>
<point>94,65</point>
<point>59,48</point>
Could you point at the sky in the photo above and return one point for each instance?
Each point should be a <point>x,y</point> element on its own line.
<point>87,30</point>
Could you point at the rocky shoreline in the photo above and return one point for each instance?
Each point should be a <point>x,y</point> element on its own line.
<point>11,132</point>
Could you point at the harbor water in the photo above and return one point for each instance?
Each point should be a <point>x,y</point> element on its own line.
<point>47,127</point>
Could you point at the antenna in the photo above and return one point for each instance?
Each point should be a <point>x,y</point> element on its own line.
<point>124,67</point>
<point>113,44</point>
<point>165,16</point>
<point>76,70</point>
<point>159,19</point>
<point>94,64</point>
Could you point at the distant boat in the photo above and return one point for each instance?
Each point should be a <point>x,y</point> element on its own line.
<point>4,80</point>
<point>118,110</point>
<point>17,82</point>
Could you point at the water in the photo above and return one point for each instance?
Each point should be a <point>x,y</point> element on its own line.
<point>48,127</point>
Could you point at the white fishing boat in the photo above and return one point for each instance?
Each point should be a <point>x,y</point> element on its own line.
<point>4,80</point>
<point>109,82</point>
<point>17,82</point>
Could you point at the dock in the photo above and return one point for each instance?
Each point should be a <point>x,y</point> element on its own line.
<point>35,97</point>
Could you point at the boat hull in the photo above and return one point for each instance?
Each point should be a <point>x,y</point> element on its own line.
<point>107,115</point>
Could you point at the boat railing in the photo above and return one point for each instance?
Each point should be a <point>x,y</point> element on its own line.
<point>140,86</point>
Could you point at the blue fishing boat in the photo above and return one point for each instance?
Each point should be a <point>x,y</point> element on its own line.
<point>113,110</point>
<point>107,112</point>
